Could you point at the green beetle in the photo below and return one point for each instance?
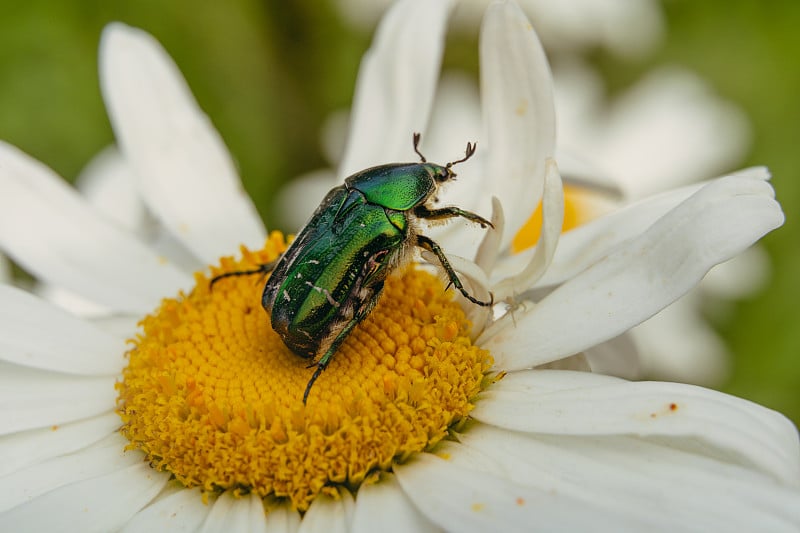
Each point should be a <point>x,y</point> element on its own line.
<point>332,275</point>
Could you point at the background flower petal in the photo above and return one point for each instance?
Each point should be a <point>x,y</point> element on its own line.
<point>185,172</point>
<point>52,233</point>
<point>396,85</point>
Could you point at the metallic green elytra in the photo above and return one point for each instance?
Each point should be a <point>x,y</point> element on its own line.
<point>331,276</point>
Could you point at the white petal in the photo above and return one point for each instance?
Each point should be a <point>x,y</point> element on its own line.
<point>25,448</point>
<point>327,514</point>
<point>396,84</point>
<point>641,276</point>
<point>180,510</point>
<point>486,256</point>
<point>30,483</point>
<point>186,174</point>
<point>460,499</point>
<point>679,345</point>
<point>734,429</point>
<point>36,334</point>
<point>33,398</point>
<point>282,519</point>
<point>384,507</point>
<point>109,184</point>
<point>517,94</point>
<point>582,247</point>
<point>295,202</point>
<point>552,222</point>
<point>666,487</point>
<point>236,514</point>
<point>52,233</point>
<point>617,357</point>
<point>99,504</point>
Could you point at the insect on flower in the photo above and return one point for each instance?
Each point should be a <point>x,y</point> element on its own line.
<point>332,275</point>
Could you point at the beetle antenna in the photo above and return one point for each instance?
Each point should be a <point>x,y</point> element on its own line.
<point>417,137</point>
<point>469,152</point>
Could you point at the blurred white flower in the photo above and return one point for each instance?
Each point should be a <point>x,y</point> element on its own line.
<point>629,28</point>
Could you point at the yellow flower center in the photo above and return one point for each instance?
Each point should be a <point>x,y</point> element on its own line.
<point>213,396</point>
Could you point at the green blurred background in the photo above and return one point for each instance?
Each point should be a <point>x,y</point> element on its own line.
<point>268,73</point>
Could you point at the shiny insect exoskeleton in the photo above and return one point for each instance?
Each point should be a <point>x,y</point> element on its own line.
<point>331,276</point>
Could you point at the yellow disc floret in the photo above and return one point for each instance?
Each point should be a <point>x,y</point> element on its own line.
<point>213,396</point>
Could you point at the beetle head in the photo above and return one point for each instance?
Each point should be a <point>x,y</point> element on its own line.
<point>444,173</point>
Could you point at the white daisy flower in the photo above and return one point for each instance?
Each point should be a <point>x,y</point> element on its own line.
<point>414,426</point>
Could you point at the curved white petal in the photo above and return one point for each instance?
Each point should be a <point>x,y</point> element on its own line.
<point>283,519</point>
<point>236,514</point>
<point>327,514</point>
<point>384,507</point>
<point>519,112</point>
<point>180,510</point>
<point>585,245</point>
<point>458,498</point>
<point>34,398</point>
<point>25,448</point>
<point>30,483</point>
<point>51,232</point>
<point>542,256</point>
<point>487,253</point>
<point>396,85</point>
<point>186,174</point>
<point>67,343</point>
<point>665,487</point>
<point>642,275</point>
<point>731,428</point>
<point>99,504</point>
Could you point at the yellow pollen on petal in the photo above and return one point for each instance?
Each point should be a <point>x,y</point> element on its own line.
<point>580,206</point>
<point>213,396</point>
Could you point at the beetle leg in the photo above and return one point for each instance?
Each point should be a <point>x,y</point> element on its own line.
<point>449,212</point>
<point>262,269</point>
<point>360,315</point>
<point>431,246</point>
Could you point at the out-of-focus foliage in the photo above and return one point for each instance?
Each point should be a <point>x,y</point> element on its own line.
<point>268,73</point>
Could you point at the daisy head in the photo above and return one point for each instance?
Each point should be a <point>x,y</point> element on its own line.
<point>180,404</point>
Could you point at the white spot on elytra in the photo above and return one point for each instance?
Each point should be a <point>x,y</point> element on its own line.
<point>326,292</point>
